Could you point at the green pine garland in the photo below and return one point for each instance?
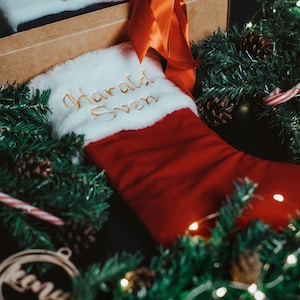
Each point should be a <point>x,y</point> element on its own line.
<point>232,73</point>
<point>194,268</point>
<point>72,191</point>
<point>101,277</point>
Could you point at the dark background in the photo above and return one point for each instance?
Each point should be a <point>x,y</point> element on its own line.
<point>242,11</point>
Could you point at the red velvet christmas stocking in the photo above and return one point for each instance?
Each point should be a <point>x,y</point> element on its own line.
<point>165,163</point>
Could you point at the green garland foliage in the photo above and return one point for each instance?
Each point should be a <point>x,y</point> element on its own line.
<point>69,191</point>
<point>100,278</point>
<point>195,268</point>
<point>231,72</point>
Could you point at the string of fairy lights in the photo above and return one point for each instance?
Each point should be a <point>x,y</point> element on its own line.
<point>195,226</point>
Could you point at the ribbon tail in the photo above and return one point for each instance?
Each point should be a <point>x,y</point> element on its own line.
<point>165,29</point>
<point>143,30</point>
<point>181,65</point>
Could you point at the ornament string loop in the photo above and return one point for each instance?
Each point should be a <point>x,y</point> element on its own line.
<point>163,26</point>
<point>277,97</point>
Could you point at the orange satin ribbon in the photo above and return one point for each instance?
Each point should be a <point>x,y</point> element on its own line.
<point>162,25</point>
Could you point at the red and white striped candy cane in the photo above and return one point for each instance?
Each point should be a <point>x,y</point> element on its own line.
<point>278,97</point>
<point>8,200</point>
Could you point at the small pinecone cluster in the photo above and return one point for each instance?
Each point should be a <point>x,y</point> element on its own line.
<point>78,235</point>
<point>215,113</point>
<point>139,279</point>
<point>256,45</point>
<point>30,167</point>
<point>247,268</point>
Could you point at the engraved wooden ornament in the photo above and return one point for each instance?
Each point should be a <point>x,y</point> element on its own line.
<point>12,274</point>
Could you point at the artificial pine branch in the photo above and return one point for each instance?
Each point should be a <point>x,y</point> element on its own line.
<point>231,72</point>
<point>101,277</point>
<point>15,100</point>
<point>285,118</point>
<point>232,208</point>
<point>176,266</point>
<point>252,238</point>
<point>74,189</point>
<point>195,268</point>
<point>29,232</point>
<point>225,226</point>
<point>193,261</point>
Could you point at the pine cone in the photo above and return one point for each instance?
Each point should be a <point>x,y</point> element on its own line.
<point>139,279</point>
<point>78,235</point>
<point>30,166</point>
<point>247,268</point>
<point>216,112</point>
<point>256,45</point>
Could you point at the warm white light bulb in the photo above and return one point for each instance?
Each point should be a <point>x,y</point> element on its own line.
<point>124,283</point>
<point>252,288</point>
<point>259,295</point>
<point>221,292</point>
<point>194,226</point>
<point>278,197</point>
<point>292,227</point>
<point>291,259</point>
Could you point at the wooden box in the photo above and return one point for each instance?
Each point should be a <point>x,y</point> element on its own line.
<point>28,53</point>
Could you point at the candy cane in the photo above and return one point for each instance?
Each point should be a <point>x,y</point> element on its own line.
<point>276,97</point>
<point>8,200</point>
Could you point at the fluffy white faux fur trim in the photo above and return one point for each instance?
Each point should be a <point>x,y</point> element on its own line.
<point>103,92</point>
<point>20,11</point>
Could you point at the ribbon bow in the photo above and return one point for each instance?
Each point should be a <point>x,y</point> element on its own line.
<point>277,97</point>
<point>162,25</point>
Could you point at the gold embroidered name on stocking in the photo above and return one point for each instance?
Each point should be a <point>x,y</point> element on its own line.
<point>102,112</point>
